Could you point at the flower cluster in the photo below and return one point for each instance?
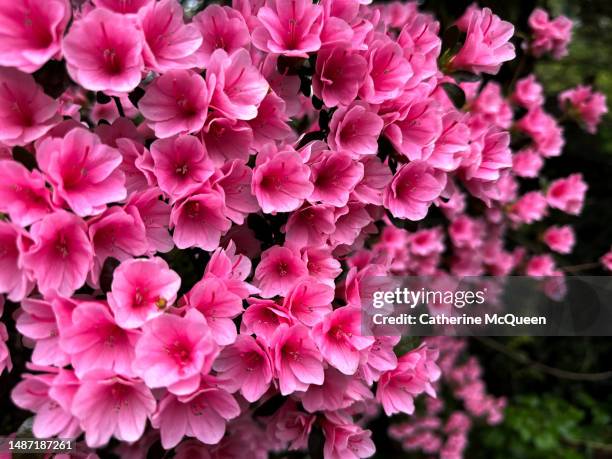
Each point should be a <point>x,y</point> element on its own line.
<point>193,218</point>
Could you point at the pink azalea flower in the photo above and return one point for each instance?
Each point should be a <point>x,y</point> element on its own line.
<point>376,177</point>
<point>415,373</point>
<point>180,165</point>
<point>291,28</point>
<point>169,43</point>
<point>561,239</point>
<point>606,260</point>
<point>281,182</point>
<point>118,233</point>
<point>199,220</point>
<point>23,195</point>
<point>14,280</point>
<point>271,122</point>
<point>37,321</point>
<point>263,317</point>
<point>227,140</point>
<point>567,194</point>
<point>549,36</point>
<point>291,425</point>
<point>452,144</point>
<point>310,226</point>
<point>355,129</point>
<point>527,163</point>
<point>544,130</point>
<point>278,271</point>
<point>338,391</point>
<point>388,72</point>
<point>466,232</point>
<point>531,207</point>
<point>541,266</point>
<point>238,86</point>
<point>492,155</point>
<point>222,28</point>
<point>587,105</point>
<point>415,133</point>
<point>297,362</point>
<point>94,341</point>
<point>245,366</point>
<point>155,215</point>
<point>111,405</point>
<point>31,32</point>
<point>61,254</point>
<point>528,92</point>
<point>103,51</point>
<point>415,186</point>
<point>83,171</point>
<point>339,74</point>
<point>202,415</point>
<point>141,290</point>
<point>487,45</point>
<point>339,339</point>
<point>172,352</point>
<point>236,185</point>
<point>219,306</point>
<point>176,103</point>
<point>343,440</point>
<point>123,6</point>
<point>5,355</point>
<point>26,112</point>
<point>334,175</point>
<point>309,301</point>
<point>427,241</point>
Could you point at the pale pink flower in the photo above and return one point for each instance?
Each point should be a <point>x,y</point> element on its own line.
<point>155,215</point>
<point>587,105</point>
<point>111,405</point>
<point>487,45</point>
<point>123,6</point>
<point>309,301</point>
<point>219,306</point>
<point>31,32</point>
<point>415,373</point>
<point>338,337</point>
<point>291,28</point>
<point>544,130</point>
<point>528,92</point>
<point>427,241</point>
<point>452,144</point>
<point>531,207</point>
<point>236,185</point>
<point>199,220</point>
<point>26,112</point>
<point>334,175</point>
<point>490,107</point>
<point>338,391</point>
<point>118,233</point>
<point>291,425</point>
<point>388,72</point>
<point>176,103</point>
<point>271,122</point>
<point>245,366</point>
<point>103,51</point>
<point>5,355</point>
<point>279,271</point>
<point>338,76</point>
<point>549,36</point>
<point>181,165</point>
<point>527,163</point>
<point>14,280</point>
<point>83,171</point>
<point>203,415</point>
<point>355,129</point>
<point>466,232</point>
<point>350,221</point>
<point>310,225</point>
<point>141,290</point>
<point>344,440</point>
<point>172,352</point>
<point>489,155</point>
<point>415,186</point>
<point>37,321</point>
<point>23,194</point>
<point>281,182</point>
<point>297,362</point>
<point>376,177</point>
<point>61,254</point>
<point>94,341</point>
<point>561,239</point>
<point>263,317</point>
<point>221,27</point>
<point>169,43</point>
<point>567,194</point>
<point>238,86</point>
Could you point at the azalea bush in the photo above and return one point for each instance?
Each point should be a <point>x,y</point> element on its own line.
<point>196,199</point>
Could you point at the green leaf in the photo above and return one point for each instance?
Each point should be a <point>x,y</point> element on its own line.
<point>455,94</point>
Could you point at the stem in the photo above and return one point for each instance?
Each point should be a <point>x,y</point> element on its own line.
<point>119,106</point>
<point>556,372</point>
<point>581,267</point>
